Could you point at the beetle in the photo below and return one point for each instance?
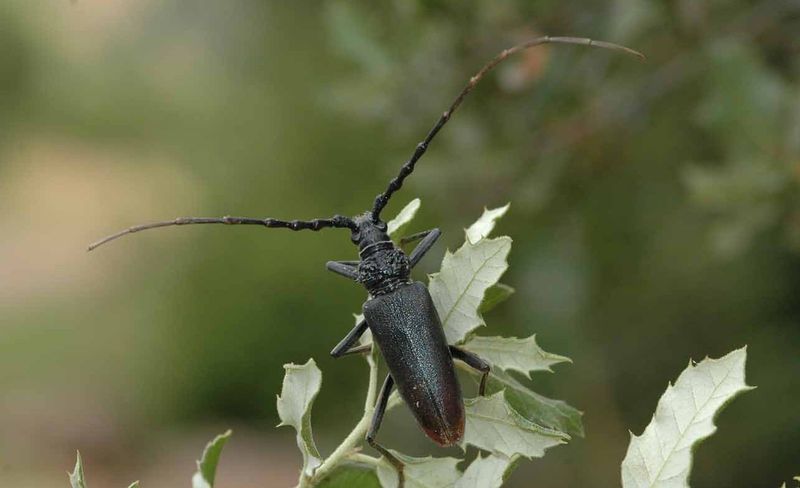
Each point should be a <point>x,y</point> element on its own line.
<point>399,311</point>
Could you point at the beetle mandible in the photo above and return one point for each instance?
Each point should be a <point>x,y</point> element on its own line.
<point>399,311</point>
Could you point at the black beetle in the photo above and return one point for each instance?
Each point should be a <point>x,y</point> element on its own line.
<point>399,311</point>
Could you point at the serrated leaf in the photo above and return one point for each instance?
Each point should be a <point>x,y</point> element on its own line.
<point>536,408</point>
<point>494,296</point>
<point>300,387</point>
<point>76,478</point>
<point>207,465</point>
<point>485,224</point>
<point>351,475</point>
<point>493,425</point>
<point>510,353</point>
<point>485,472</point>
<point>458,289</point>
<point>662,455</point>
<point>397,225</point>
<point>427,472</point>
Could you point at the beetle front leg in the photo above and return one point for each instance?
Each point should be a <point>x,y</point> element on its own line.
<point>348,269</point>
<point>345,345</point>
<point>474,361</point>
<point>377,418</point>
<point>428,237</point>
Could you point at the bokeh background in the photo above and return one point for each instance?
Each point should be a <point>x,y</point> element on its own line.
<point>655,216</point>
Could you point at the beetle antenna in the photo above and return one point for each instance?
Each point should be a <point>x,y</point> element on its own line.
<point>337,221</point>
<point>394,185</point>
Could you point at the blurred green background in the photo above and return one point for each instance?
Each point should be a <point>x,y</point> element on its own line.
<point>655,218</point>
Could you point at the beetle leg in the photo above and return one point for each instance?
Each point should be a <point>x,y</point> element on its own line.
<point>348,269</point>
<point>345,345</point>
<point>428,237</point>
<point>474,361</point>
<point>377,418</point>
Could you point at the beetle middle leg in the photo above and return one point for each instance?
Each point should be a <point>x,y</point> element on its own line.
<point>377,418</point>
<point>428,237</point>
<point>474,361</point>
<point>345,346</point>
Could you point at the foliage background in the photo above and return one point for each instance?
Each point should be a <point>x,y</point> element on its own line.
<point>655,217</point>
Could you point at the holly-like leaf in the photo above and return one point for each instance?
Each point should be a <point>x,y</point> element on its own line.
<point>458,289</point>
<point>484,225</point>
<point>207,465</point>
<point>536,408</point>
<point>397,225</point>
<point>351,475</point>
<point>494,296</point>
<point>427,472</point>
<point>493,425</point>
<point>510,353</point>
<point>486,472</point>
<point>662,455</point>
<point>76,478</point>
<point>300,387</point>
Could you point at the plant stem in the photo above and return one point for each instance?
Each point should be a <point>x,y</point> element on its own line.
<point>346,449</point>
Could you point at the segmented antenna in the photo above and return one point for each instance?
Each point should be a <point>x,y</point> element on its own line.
<point>338,221</point>
<point>396,183</point>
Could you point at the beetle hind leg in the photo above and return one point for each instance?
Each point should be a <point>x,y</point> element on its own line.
<point>474,361</point>
<point>377,418</point>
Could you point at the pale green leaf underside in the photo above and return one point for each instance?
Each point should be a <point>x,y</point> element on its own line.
<point>510,353</point>
<point>398,224</point>
<point>207,465</point>
<point>300,387</point>
<point>485,472</point>
<point>485,224</point>
<point>427,472</point>
<point>135,484</point>
<point>536,408</point>
<point>494,426</point>
<point>76,478</point>
<point>458,289</point>
<point>662,456</point>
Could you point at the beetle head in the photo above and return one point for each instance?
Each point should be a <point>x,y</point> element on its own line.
<point>367,231</point>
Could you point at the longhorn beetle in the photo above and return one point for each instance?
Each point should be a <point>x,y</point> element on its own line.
<point>399,311</point>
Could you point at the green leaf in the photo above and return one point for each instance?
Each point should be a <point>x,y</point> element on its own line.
<point>484,225</point>
<point>494,296</point>
<point>662,455</point>
<point>135,484</point>
<point>458,289</point>
<point>493,425</point>
<point>486,472</point>
<point>300,387</point>
<point>397,225</point>
<point>76,478</point>
<point>207,465</point>
<point>536,408</point>
<point>351,475</point>
<point>510,353</point>
<point>427,472</point>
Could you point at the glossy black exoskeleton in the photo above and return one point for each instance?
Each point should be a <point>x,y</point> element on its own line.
<point>399,311</point>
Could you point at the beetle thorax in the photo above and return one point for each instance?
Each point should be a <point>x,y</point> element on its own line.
<point>383,268</point>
